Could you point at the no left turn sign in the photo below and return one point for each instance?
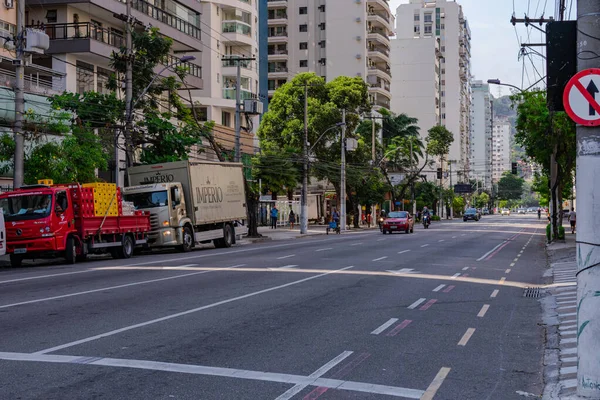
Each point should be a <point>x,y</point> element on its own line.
<point>579,97</point>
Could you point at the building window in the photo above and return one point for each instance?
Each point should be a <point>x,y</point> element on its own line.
<point>417,29</point>
<point>303,63</point>
<point>427,29</point>
<point>427,17</point>
<point>417,17</point>
<point>103,76</point>
<point>51,16</point>
<point>322,26</point>
<point>322,43</point>
<point>85,77</point>
<point>322,8</point>
<point>303,28</point>
<point>303,10</point>
<point>225,118</point>
<point>443,26</point>
<point>303,45</point>
<point>323,61</point>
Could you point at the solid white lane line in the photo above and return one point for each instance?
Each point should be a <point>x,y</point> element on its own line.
<point>403,251</point>
<point>494,293</point>
<point>483,310</point>
<point>465,339</point>
<point>181,266</point>
<point>284,257</point>
<point>437,289</point>
<point>455,276</point>
<point>384,326</point>
<point>490,252</point>
<point>435,384</point>
<point>63,296</point>
<point>416,303</point>
<point>317,374</point>
<point>46,276</point>
<point>287,266</point>
<point>220,372</point>
<point>425,245</point>
<point>191,311</point>
<point>380,258</point>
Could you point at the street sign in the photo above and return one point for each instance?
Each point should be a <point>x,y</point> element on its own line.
<point>579,97</point>
<point>462,188</point>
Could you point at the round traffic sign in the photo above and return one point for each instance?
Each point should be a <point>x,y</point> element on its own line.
<point>579,97</point>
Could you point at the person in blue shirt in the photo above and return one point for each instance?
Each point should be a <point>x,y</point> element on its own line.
<point>274,216</point>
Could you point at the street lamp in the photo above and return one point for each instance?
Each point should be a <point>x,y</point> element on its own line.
<point>324,132</point>
<point>497,82</point>
<point>128,117</point>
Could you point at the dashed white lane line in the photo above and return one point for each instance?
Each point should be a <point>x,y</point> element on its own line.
<point>317,374</point>
<point>454,237</point>
<point>380,258</point>
<point>424,245</point>
<point>190,311</point>
<point>115,287</point>
<point>465,268</point>
<point>512,264</point>
<point>441,240</point>
<point>416,303</point>
<point>288,256</point>
<point>384,326</point>
<point>464,234</point>
<point>356,244</point>
<point>455,276</point>
<point>47,276</point>
<point>502,280</point>
<point>465,339</point>
<point>326,248</point>
<point>435,384</point>
<point>507,271</point>
<point>403,251</point>
<point>494,293</point>
<point>516,259</point>
<point>483,310</point>
<point>205,370</point>
<point>437,289</point>
<point>288,266</point>
<point>380,240</point>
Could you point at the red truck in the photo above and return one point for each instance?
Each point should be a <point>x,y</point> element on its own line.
<point>44,221</point>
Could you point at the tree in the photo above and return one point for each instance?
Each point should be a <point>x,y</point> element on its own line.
<point>439,140</point>
<point>483,200</point>
<point>510,187</point>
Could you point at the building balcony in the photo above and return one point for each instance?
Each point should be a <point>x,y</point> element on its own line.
<point>380,72</point>
<point>380,36</point>
<point>278,19</point>
<point>278,72</point>
<point>379,54</point>
<point>281,37</point>
<point>238,33</point>
<point>380,20</point>
<point>278,55</point>
<point>379,4</point>
<point>381,102</point>
<point>37,81</point>
<point>165,17</point>
<point>230,93</point>
<point>276,3</point>
<point>232,62</point>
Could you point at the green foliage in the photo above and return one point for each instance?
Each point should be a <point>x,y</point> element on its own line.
<point>482,200</point>
<point>458,204</point>
<point>561,232</point>
<point>549,232</point>
<point>426,194</point>
<point>278,171</point>
<point>436,218</point>
<point>439,140</point>
<point>510,187</point>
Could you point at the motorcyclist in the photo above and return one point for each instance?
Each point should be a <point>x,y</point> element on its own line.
<point>381,218</point>
<point>426,215</point>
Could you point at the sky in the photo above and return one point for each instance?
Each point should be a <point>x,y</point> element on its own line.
<point>495,43</point>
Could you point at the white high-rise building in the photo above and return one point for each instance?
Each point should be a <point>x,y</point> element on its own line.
<point>431,73</point>
<point>331,38</point>
<point>501,148</point>
<point>481,133</point>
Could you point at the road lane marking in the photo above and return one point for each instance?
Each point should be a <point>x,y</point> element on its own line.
<point>63,296</point>
<point>284,257</point>
<point>288,266</point>
<point>435,384</point>
<point>512,264</point>
<point>463,341</point>
<point>441,240</point>
<point>380,240</point>
<point>330,383</point>
<point>507,271</point>
<point>428,304</point>
<point>187,312</point>
<point>356,244</point>
<point>399,327</point>
<point>455,276</point>
<point>416,303</point>
<point>325,249</point>
<point>46,276</point>
<point>465,268</point>
<point>403,251</point>
<point>453,237</point>
<point>515,260</point>
<point>464,234</point>
<point>425,245</point>
<point>494,251</point>
<point>483,310</point>
<point>437,289</point>
<point>341,373</point>
<point>502,280</point>
<point>465,275</point>
<point>449,288</point>
<point>384,326</point>
<point>380,258</point>
<point>317,374</point>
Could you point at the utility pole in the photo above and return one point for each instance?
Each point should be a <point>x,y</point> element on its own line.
<point>412,185</point>
<point>441,207</point>
<point>19,97</point>
<point>588,227</point>
<point>128,91</point>
<point>373,138</point>
<point>238,104</point>
<point>343,175</point>
<point>304,197</point>
<point>451,187</point>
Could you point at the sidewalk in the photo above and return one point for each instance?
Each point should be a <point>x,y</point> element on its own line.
<point>560,318</point>
<point>285,233</point>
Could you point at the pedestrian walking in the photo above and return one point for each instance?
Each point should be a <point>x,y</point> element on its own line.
<point>274,216</point>
<point>572,220</point>
<point>292,219</point>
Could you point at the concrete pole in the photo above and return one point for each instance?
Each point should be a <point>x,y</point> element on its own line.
<point>238,111</point>
<point>343,175</point>
<point>128,89</point>
<point>304,197</point>
<point>588,224</point>
<point>451,187</point>
<point>373,137</point>
<point>19,98</point>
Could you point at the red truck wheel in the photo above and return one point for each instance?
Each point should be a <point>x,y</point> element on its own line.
<point>71,250</point>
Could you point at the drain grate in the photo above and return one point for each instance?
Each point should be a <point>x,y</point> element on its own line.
<point>532,292</point>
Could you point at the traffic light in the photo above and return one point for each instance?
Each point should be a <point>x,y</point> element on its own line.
<point>439,173</point>
<point>514,168</point>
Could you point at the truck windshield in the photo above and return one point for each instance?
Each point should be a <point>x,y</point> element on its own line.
<point>26,207</point>
<point>147,199</point>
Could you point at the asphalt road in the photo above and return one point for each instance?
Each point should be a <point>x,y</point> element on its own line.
<point>435,314</point>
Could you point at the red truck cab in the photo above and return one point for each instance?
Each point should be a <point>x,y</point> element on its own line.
<point>45,221</point>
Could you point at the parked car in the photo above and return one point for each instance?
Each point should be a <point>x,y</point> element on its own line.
<point>505,211</point>
<point>398,221</point>
<point>471,214</point>
<point>531,210</point>
<point>485,211</point>
<point>521,211</point>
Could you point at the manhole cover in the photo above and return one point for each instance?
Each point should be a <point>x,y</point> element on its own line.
<point>532,292</point>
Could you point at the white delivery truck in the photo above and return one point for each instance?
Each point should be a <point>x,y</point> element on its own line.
<point>189,202</point>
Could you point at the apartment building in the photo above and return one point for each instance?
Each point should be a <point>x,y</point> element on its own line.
<point>431,69</point>
<point>500,148</point>
<point>481,133</point>
<point>331,38</point>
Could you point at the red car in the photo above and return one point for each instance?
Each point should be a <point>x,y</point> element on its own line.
<point>398,221</point>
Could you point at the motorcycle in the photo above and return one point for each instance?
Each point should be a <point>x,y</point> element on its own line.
<point>380,223</point>
<point>426,221</point>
